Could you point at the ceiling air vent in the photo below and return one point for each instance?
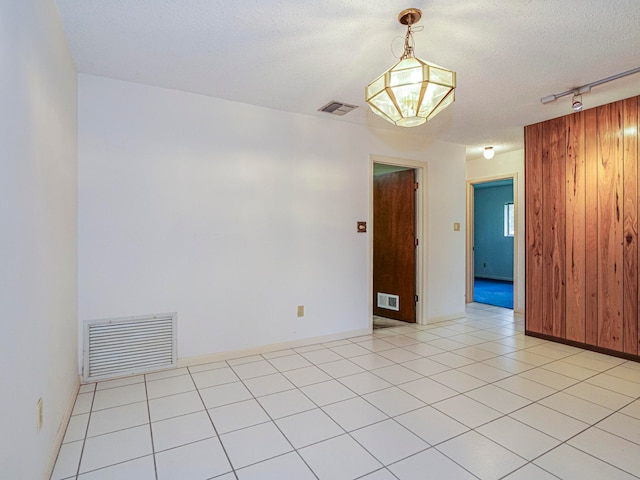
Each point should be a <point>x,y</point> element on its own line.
<point>337,108</point>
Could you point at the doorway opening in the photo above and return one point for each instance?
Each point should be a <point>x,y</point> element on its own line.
<point>396,250</point>
<point>492,241</point>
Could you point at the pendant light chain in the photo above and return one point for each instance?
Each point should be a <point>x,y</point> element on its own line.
<point>408,49</point>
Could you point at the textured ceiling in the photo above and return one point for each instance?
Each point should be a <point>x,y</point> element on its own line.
<point>296,55</point>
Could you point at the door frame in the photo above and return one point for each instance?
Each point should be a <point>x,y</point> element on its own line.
<point>421,232</point>
<point>470,234</point>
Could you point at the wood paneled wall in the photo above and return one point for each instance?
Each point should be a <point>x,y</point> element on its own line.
<point>582,201</point>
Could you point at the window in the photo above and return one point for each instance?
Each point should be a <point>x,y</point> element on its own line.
<point>509,221</point>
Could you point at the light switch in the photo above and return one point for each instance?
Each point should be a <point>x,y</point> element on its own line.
<point>456,227</point>
<point>362,227</point>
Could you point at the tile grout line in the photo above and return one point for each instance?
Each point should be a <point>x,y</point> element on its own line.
<point>596,373</point>
<point>594,425</point>
<point>565,442</point>
<point>226,454</point>
<point>458,393</point>
<point>84,440</point>
<point>275,423</point>
<point>590,425</point>
<point>389,417</point>
<point>517,344</point>
<point>120,430</point>
<point>474,429</point>
<point>153,444</point>
<point>349,433</point>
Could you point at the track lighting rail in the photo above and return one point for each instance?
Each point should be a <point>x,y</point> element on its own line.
<point>587,88</point>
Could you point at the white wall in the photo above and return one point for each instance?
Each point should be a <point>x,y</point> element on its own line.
<point>506,164</point>
<point>233,215</point>
<point>445,283</point>
<point>38,255</point>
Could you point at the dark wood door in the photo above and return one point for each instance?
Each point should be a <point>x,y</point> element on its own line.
<point>394,244</point>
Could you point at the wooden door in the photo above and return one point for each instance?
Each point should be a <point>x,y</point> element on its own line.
<point>394,243</point>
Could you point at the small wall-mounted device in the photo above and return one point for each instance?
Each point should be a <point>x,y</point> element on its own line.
<point>362,227</point>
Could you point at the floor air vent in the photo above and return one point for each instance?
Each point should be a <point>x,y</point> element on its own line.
<point>127,346</point>
<point>388,301</point>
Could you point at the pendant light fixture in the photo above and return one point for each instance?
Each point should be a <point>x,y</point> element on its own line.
<point>413,91</point>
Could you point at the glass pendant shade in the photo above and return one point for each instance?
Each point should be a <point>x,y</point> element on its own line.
<point>411,92</point>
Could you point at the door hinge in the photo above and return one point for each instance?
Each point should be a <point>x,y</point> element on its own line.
<point>417,242</point>
<point>416,185</point>
<point>416,299</point>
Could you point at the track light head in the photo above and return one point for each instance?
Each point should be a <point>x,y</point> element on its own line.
<point>576,103</point>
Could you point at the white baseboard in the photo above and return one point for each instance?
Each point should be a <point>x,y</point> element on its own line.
<point>274,347</point>
<point>444,318</point>
<point>500,279</point>
<point>62,429</point>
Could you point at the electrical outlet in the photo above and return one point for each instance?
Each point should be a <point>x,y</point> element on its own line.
<point>300,311</point>
<point>39,415</point>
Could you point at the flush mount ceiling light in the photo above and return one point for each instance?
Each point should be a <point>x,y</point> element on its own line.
<point>413,91</point>
<point>488,153</point>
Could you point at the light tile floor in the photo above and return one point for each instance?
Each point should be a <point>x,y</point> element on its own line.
<point>462,399</point>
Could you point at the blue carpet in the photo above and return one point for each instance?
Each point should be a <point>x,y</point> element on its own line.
<point>493,292</point>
